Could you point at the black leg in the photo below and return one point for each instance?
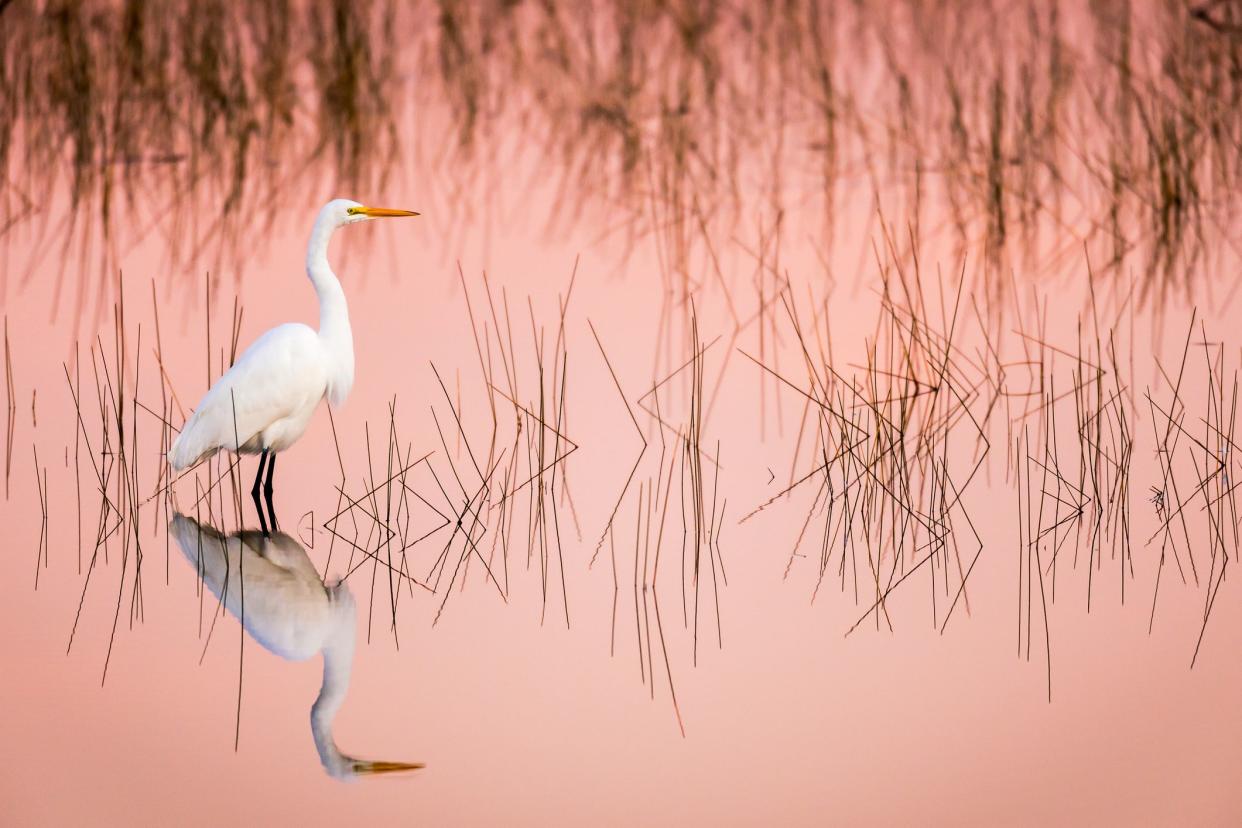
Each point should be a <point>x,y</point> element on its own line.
<point>258,477</point>
<point>267,489</point>
<point>254,493</point>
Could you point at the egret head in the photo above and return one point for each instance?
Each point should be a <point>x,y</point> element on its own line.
<point>342,211</point>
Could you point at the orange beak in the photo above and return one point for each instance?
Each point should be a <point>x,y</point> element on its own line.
<point>377,767</point>
<point>384,212</point>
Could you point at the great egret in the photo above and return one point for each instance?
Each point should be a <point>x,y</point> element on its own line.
<point>263,403</point>
<point>291,612</point>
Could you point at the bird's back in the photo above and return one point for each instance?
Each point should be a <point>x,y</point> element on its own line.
<point>280,374</point>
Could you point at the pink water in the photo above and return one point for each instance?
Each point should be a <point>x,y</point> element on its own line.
<point>521,720</point>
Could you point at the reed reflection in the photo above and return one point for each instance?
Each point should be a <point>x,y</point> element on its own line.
<point>290,611</point>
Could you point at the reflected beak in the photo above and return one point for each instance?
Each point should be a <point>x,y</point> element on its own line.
<point>384,212</point>
<point>371,768</point>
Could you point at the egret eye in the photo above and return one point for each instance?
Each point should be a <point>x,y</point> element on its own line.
<point>353,211</point>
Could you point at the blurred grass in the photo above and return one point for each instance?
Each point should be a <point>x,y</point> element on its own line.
<point>996,121</point>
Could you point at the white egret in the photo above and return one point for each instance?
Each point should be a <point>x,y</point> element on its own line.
<point>291,612</point>
<point>264,402</point>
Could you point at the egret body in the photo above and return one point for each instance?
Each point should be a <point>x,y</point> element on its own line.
<point>264,402</point>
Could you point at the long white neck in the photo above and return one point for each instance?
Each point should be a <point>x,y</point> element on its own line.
<point>338,662</point>
<point>334,329</point>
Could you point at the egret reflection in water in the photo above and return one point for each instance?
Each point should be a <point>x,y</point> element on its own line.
<point>291,612</point>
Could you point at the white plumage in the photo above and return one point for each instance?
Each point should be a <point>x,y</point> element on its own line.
<point>265,401</point>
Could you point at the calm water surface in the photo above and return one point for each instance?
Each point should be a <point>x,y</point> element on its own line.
<point>615,529</point>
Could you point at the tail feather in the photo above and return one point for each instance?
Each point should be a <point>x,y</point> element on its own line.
<point>188,449</point>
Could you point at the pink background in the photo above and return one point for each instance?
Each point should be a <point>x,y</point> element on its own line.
<point>523,722</point>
